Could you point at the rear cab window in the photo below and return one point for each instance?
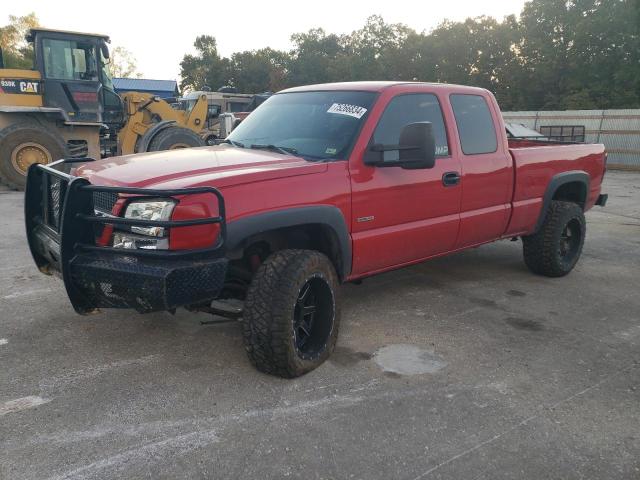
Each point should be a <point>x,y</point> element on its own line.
<point>475,123</point>
<point>410,108</point>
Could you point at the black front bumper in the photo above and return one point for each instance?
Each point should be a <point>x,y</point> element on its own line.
<point>61,231</point>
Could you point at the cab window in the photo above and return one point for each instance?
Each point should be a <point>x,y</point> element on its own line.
<point>69,60</point>
<point>406,109</point>
<point>475,124</point>
<point>236,106</point>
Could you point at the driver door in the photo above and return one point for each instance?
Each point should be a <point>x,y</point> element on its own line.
<point>71,82</point>
<point>402,216</point>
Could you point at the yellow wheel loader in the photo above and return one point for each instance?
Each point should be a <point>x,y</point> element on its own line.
<point>66,107</point>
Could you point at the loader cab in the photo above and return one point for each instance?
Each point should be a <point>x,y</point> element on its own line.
<point>74,70</point>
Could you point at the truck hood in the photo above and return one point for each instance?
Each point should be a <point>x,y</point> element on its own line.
<point>219,166</point>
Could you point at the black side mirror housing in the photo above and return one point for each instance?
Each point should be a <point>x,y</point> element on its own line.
<point>104,49</point>
<point>416,147</point>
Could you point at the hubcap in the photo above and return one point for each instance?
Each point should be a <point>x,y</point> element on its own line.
<point>313,317</point>
<point>26,154</point>
<point>570,240</point>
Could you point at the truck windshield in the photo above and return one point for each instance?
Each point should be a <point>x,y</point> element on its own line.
<point>314,125</point>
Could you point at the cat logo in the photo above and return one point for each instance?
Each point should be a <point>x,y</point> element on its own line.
<point>29,87</point>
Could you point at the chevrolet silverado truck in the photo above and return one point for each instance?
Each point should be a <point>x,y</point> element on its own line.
<point>321,185</point>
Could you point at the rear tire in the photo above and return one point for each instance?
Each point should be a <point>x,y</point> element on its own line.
<point>172,138</point>
<point>291,314</point>
<point>555,249</point>
<point>23,144</point>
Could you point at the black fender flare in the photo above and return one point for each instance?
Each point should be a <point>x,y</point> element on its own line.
<point>143,142</point>
<point>555,183</point>
<point>240,230</point>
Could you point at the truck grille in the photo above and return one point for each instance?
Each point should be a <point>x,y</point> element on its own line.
<point>104,201</point>
<point>55,197</point>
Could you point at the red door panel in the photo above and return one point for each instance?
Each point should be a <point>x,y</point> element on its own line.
<point>402,215</point>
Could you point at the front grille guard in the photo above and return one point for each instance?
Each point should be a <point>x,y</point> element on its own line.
<point>60,208</point>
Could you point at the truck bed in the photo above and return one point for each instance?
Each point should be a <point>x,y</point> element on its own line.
<point>536,163</point>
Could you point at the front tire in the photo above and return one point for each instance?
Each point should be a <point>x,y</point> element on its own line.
<point>291,314</point>
<point>555,249</point>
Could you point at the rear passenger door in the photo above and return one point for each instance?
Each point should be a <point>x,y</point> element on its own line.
<point>399,215</point>
<point>487,171</point>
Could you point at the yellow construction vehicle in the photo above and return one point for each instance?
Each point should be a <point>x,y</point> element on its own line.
<point>66,107</point>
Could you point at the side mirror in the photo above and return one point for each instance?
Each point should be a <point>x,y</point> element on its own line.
<point>105,50</point>
<point>416,148</point>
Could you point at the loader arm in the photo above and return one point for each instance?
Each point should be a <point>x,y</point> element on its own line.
<point>144,110</point>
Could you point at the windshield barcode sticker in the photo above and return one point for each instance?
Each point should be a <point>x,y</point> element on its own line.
<point>346,109</point>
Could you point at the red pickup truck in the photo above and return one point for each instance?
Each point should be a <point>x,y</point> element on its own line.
<point>320,185</point>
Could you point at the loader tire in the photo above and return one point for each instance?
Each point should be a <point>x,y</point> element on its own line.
<point>291,314</point>
<point>22,145</point>
<point>555,249</point>
<point>173,138</point>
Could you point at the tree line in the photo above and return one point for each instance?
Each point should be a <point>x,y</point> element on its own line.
<point>557,54</point>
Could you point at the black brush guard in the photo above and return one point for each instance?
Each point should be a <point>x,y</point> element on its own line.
<point>61,231</point>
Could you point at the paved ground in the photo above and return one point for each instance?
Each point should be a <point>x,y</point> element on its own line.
<point>526,377</point>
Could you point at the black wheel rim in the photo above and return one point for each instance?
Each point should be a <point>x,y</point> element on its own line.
<point>570,240</point>
<point>313,317</point>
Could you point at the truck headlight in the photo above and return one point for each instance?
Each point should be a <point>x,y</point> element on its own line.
<point>155,210</point>
<point>152,238</point>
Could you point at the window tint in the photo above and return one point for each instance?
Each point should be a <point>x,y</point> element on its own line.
<point>237,107</point>
<point>406,109</point>
<point>69,60</point>
<point>475,124</point>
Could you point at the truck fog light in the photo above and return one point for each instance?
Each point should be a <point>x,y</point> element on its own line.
<point>130,241</point>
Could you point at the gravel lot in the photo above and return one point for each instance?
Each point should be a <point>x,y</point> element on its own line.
<point>467,367</point>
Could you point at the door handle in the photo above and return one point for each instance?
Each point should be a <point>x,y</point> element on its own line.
<point>450,179</point>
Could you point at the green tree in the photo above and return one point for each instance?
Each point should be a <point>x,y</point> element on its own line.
<point>377,51</point>
<point>558,54</point>
<point>205,68</point>
<point>258,70</point>
<point>17,53</point>
<point>314,57</point>
<point>581,53</point>
<point>122,64</point>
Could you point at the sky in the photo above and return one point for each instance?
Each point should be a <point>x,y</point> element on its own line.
<point>158,34</point>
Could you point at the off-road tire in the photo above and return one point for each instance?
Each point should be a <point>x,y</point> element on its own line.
<point>268,322</point>
<point>25,132</point>
<point>175,137</point>
<point>542,250</point>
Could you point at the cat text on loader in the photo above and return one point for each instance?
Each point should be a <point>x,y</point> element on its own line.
<point>66,107</point>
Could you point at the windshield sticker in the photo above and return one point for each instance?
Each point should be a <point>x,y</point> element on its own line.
<point>331,151</point>
<point>346,109</point>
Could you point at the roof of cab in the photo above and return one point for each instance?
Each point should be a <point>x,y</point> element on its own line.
<point>376,86</point>
<point>35,30</point>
